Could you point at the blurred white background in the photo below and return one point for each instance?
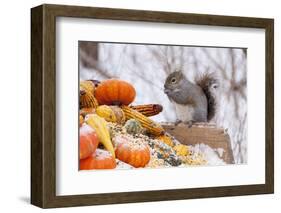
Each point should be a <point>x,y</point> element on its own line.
<point>15,107</point>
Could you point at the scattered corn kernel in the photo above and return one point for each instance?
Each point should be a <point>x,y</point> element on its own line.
<point>181,150</point>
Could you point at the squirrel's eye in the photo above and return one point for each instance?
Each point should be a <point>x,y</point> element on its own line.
<point>173,80</point>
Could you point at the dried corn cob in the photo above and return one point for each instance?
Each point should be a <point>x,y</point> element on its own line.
<point>87,100</point>
<point>148,109</point>
<point>81,120</point>
<point>88,85</point>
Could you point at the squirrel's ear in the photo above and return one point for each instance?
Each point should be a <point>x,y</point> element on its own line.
<point>170,71</point>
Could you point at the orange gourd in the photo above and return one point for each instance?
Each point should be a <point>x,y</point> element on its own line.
<point>137,155</point>
<point>88,142</point>
<point>115,92</point>
<point>101,159</point>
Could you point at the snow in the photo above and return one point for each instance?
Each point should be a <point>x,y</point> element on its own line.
<point>85,129</point>
<point>210,155</point>
<point>122,165</point>
<point>220,151</point>
<point>102,154</point>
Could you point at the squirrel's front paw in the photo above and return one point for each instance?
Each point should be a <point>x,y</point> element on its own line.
<point>189,123</point>
<point>178,121</point>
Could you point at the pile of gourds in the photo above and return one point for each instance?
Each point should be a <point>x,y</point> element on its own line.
<point>109,101</point>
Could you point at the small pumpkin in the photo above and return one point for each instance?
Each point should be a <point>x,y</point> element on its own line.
<point>132,152</point>
<point>133,127</point>
<point>101,159</point>
<point>112,114</point>
<point>88,141</point>
<point>115,92</point>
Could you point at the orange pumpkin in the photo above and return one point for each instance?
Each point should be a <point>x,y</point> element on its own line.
<point>115,92</point>
<point>137,155</point>
<point>101,159</point>
<point>88,141</point>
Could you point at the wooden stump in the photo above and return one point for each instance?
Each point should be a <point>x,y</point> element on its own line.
<point>205,133</point>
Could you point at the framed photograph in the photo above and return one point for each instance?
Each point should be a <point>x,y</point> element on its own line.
<point>135,106</point>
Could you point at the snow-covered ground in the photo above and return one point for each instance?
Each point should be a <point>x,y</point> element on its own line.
<point>147,66</point>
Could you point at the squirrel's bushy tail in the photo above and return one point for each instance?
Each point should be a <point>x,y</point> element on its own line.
<point>208,82</point>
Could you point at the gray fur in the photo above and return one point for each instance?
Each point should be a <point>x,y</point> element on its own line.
<point>181,91</point>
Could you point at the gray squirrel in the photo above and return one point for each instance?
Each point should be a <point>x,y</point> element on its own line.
<point>194,102</point>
